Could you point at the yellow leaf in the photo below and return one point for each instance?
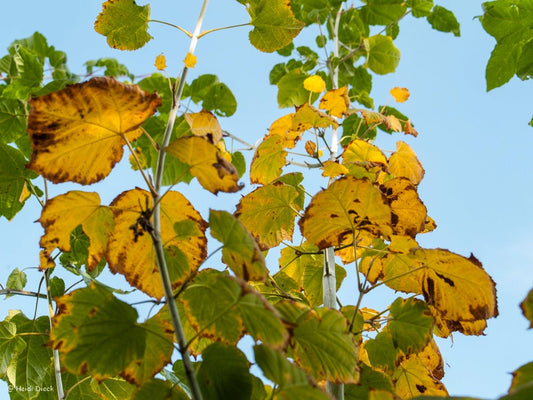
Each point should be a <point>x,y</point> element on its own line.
<point>372,117</point>
<point>160,62</point>
<point>190,60</point>
<point>207,164</point>
<point>444,328</point>
<point>347,205</point>
<point>333,169</point>
<point>205,124</point>
<point>269,159</point>
<point>336,102</point>
<point>283,127</point>
<point>412,378</point>
<point>24,194</point>
<point>392,123</point>
<point>308,117</point>
<point>430,225</point>
<point>45,260</point>
<point>314,84</point>
<point>400,94</point>
<point>277,204</point>
<point>361,157</point>
<point>408,212</point>
<point>409,130</point>
<point>402,244</point>
<point>347,254</point>
<point>404,163</point>
<point>77,134</point>
<point>62,214</point>
<point>370,315</point>
<point>130,249</point>
<point>431,357</point>
<point>310,148</point>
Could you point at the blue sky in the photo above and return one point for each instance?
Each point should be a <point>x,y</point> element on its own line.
<point>475,148</point>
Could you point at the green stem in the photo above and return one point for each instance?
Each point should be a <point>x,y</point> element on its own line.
<point>22,293</point>
<point>172,25</point>
<point>156,234</point>
<point>222,28</point>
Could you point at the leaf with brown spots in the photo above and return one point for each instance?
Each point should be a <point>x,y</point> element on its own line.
<point>283,127</point>
<point>205,124</point>
<point>404,163</point>
<point>364,159</point>
<point>207,163</point>
<point>347,205</point>
<point>277,204</point>
<point>130,249</point>
<point>413,378</point>
<point>308,117</point>
<point>78,133</point>
<point>62,214</point>
<point>269,159</point>
<point>336,102</point>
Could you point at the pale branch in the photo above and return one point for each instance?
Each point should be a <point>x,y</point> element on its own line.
<point>11,292</point>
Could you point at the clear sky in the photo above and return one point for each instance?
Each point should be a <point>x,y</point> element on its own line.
<point>475,147</point>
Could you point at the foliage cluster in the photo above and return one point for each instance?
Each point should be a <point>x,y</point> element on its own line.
<point>94,346</point>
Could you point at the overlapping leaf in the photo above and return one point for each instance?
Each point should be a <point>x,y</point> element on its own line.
<point>78,133</point>
<point>204,124</point>
<point>269,159</point>
<point>207,164</point>
<point>240,252</point>
<point>404,163</point>
<point>130,249</point>
<point>278,205</point>
<point>124,23</point>
<point>62,214</point>
<point>413,378</point>
<point>347,205</point>
<point>307,117</point>
<point>92,318</point>
<point>336,102</point>
<point>13,176</point>
<point>363,159</point>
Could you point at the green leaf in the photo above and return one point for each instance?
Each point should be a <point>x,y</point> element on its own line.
<point>157,389</point>
<point>381,351</point>
<point>57,287</point>
<point>506,21</point>
<point>239,162</point>
<point>155,83</point>
<point>444,20</point>
<point>522,378</point>
<point>313,281</point>
<point>220,99</point>
<point>382,56</point>
<point>124,23</point>
<point>527,308</point>
<point>11,346</point>
<point>12,120</point>
<point>28,77</point>
<point>274,24</point>
<point>324,348</point>
<point>277,368</point>
<point>13,175</point>
<point>525,63</point>
<point>351,28</point>
<point>291,91</point>
<point>420,8</point>
<point>16,280</point>
<point>411,325</point>
<point>112,68</point>
<point>382,12</point>
<point>199,87</point>
<point>224,374</point>
<point>240,252</point>
<point>502,64</point>
<point>112,389</point>
<point>286,51</point>
<point>80,387</point>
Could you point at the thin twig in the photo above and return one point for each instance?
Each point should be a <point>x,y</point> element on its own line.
<point>172,25</point>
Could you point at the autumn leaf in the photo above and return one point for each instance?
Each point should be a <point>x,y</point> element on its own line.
<point>527,308</point>
<point>413,378</point>
<point>409,130</point>
<point>363,159</point>
<point>161,62</point>
<point>269,159</point>
<point>347,205</point>
<point>130,249</point>
<point>404,163</point>
<point>124,23</point>
<point>314,84</point>
<point>283,127</point>
<point>62,214</point>
<point>392,123</point>
<point>205,124</point>
<point>336,102</point>
<point>78,133</point>
<point>190,60</point>
<point>333,169</point>
<point>307,117</point>
<point>207,164</point>
<point>310,148</point>
<point>400,94</point>
<point>278,205</point>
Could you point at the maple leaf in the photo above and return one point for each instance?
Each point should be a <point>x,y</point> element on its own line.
<point>336,102</point>
<point>207,163</point>
<point>333,169</point>
<point>78,133</point>
<point>62,214</point>
<point>130,249</point>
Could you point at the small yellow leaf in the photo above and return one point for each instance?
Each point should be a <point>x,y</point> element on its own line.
<point>77,134</point>
<point>310,148</point>
<point>190,60</point>
<point>160,62</point>
<point>315,84</point>
<point>284,127</point>
<point>409,130</point>
<point>333,169</point>
<point>205,124</point>
<point>400,94</point>
<point>336,102</point>
<point>404,163</point>
<point>308,117</point>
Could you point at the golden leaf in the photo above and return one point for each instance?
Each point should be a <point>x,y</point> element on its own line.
<point>404,163</point>
<point>78,133</point>
<point>315,84</point>
<point>190,60</point>
<point>364,159</point>
<point>408,212</point>
<point>283,127</point>
<point>130,249</point>
<point>269,159</point>
<point>214,172</point>
<point>160,62</point>
<point>333,169</point>
<point>62,214</point>
<point>413,378</point>
<point>399,94</point>
<point>310,148</point>
<point>308,117</point>
<point>347,205</point>
<point>336,102</point>
<point>372,117</point>
<point>205,124</point>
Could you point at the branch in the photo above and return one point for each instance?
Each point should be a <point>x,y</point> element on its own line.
<point>55,352</point>
<point>22,293</point>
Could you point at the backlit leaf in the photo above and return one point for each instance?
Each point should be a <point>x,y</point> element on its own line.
<point>347,205</point>
<point>11,346</point>
<point>502,64</point>
<point>412,378</point>
<point>291,91</point>
<point>240,252</point>
<point>382,12</point>
<point>124,23</point>
<point>314,84</point>
<point>157,389</point>
<point>381,351</point>
<point>13,176</point>
<point>527,308</point>
<point>410,325</point>
<point>269,159</point>
<point>400,94</point>
<point>308,117</point>
<point>404,163</point>
<point>205,124</point>
<point>62,214</point>
<point>207,164</point>
<point>78,133</point>
<point>274,24</point>
<point>92,318</point>
<point>336,102</point>
<point>278,205</point>
<point>16,280</point>
<point>363,159</point>
<point>522,378</point>
<point>283,127</point>
<point>333,169</point>
<point>443,20</point>
<point>130,249</point>
<point>382,57</point>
